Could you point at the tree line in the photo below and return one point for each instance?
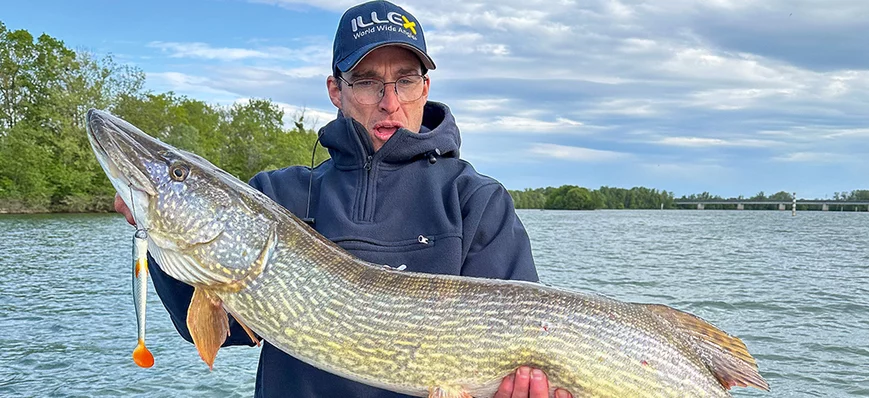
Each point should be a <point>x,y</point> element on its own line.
<point>46,163</point>
<point>572,197</point>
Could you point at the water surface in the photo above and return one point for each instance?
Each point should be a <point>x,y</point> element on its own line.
<point>795,289</point>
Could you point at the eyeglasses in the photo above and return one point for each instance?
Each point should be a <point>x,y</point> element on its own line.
<point>370,91</point>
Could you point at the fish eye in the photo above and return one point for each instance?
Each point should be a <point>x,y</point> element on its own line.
<point>179,171</point>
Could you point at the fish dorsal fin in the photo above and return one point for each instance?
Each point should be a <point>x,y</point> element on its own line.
<point>208,324</point>
<point>725,355</point>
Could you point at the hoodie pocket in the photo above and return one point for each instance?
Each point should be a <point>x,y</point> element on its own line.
<point>436,254</point>
<point>420,242</point>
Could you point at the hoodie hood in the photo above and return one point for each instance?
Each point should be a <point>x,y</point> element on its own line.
<point>349,145</point>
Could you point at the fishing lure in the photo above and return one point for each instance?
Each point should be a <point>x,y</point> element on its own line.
<point>141,355</point>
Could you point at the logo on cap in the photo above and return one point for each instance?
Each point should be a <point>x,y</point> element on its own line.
<point>391,17</point>
<point>409,25</point>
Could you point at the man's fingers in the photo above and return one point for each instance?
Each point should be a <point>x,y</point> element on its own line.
<point>528,383</point>
<point>122,208</point>
<point>506,387</point>
<point>539,387</point>
<point>522,382</point>
<point>559,393</point>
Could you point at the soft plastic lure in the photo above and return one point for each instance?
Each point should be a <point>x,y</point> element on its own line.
<point>141,355</point>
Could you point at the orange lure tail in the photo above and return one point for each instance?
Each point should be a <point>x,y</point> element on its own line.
<point>143,357</point>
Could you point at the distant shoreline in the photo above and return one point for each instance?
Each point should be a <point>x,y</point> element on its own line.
<point>110,210</point>
<point>79,204</point>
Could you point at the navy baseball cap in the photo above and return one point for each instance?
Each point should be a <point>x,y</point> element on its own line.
<point>368,26</point>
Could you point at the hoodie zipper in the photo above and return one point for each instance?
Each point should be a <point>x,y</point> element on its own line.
<point>367,189</point>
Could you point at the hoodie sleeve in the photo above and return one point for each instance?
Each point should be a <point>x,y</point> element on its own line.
<point>495,244</point>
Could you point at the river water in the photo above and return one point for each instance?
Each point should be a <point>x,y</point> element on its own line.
<point>794,289</point>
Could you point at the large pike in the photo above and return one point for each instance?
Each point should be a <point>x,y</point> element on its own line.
<point>413,333</point>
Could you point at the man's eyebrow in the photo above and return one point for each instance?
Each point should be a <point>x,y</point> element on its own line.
<point>368,74</point>
<point>408,71</point>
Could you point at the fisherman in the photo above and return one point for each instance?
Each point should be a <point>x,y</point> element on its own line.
<point>394,192</point>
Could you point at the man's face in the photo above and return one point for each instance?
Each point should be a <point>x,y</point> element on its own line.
<point>383,119</point>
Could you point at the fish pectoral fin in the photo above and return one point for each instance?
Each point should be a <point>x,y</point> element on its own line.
<point>725,355</point>
<point>448,392</point>
<point>208,324</point>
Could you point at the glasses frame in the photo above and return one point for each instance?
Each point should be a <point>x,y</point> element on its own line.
<point>383,90</point>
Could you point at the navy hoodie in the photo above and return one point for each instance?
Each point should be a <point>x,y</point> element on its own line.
<point>412,203</point>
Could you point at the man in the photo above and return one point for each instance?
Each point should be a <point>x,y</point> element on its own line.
<point>393,192</point>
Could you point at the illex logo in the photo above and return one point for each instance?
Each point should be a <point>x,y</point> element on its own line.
<point>394,22</point>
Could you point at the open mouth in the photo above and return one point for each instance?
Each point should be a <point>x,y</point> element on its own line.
<point>384,130</point>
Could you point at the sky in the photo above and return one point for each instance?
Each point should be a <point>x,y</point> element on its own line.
<point>731,97</point>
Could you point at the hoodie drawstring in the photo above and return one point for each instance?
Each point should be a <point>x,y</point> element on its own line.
<point>308,219</point>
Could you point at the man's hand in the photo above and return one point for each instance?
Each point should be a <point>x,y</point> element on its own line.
<point>122,208</point>
<point>527,383</point>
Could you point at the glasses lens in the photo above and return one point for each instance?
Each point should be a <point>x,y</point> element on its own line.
<point>409,88</point>
<point>369,92</point>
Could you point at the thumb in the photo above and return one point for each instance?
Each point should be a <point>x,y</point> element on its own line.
<point>122,208</point>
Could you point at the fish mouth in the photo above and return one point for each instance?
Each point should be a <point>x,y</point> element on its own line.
<point>124,152</point>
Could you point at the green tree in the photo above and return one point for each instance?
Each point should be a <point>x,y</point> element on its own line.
<point>781,195</point>
<point>859,195</point>
<point>179,121</point>
<point>570,197</point>
<point>45,90</point>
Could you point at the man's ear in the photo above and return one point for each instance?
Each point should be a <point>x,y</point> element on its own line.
<point>426,88</point>
<point>332,85</point>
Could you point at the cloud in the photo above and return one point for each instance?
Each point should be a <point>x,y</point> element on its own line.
<point>202,50</point>
<point>575,153</point>
<point>628,107</point>
<point>483,105</point>
<point>192,85</point>
<point>308,54</point>
<point>447,42</point>
<point>692,170</point>
<point>713,142</point>
<point>521,124</point>
<point>848,132</point>
<point>815,157</point>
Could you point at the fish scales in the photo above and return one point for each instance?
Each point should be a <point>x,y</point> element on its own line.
<point>547,328</point>
<point>403,331</point>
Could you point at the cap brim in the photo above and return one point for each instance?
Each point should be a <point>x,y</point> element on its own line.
<point>357,56</point>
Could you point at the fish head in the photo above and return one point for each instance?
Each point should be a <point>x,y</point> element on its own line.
<point>205,227</point>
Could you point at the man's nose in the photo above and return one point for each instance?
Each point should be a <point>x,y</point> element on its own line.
<point>389,103</point>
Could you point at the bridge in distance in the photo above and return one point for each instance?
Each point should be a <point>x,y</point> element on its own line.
<point>782,204</point>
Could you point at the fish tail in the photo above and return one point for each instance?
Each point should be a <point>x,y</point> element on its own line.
<point>726,356</point>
